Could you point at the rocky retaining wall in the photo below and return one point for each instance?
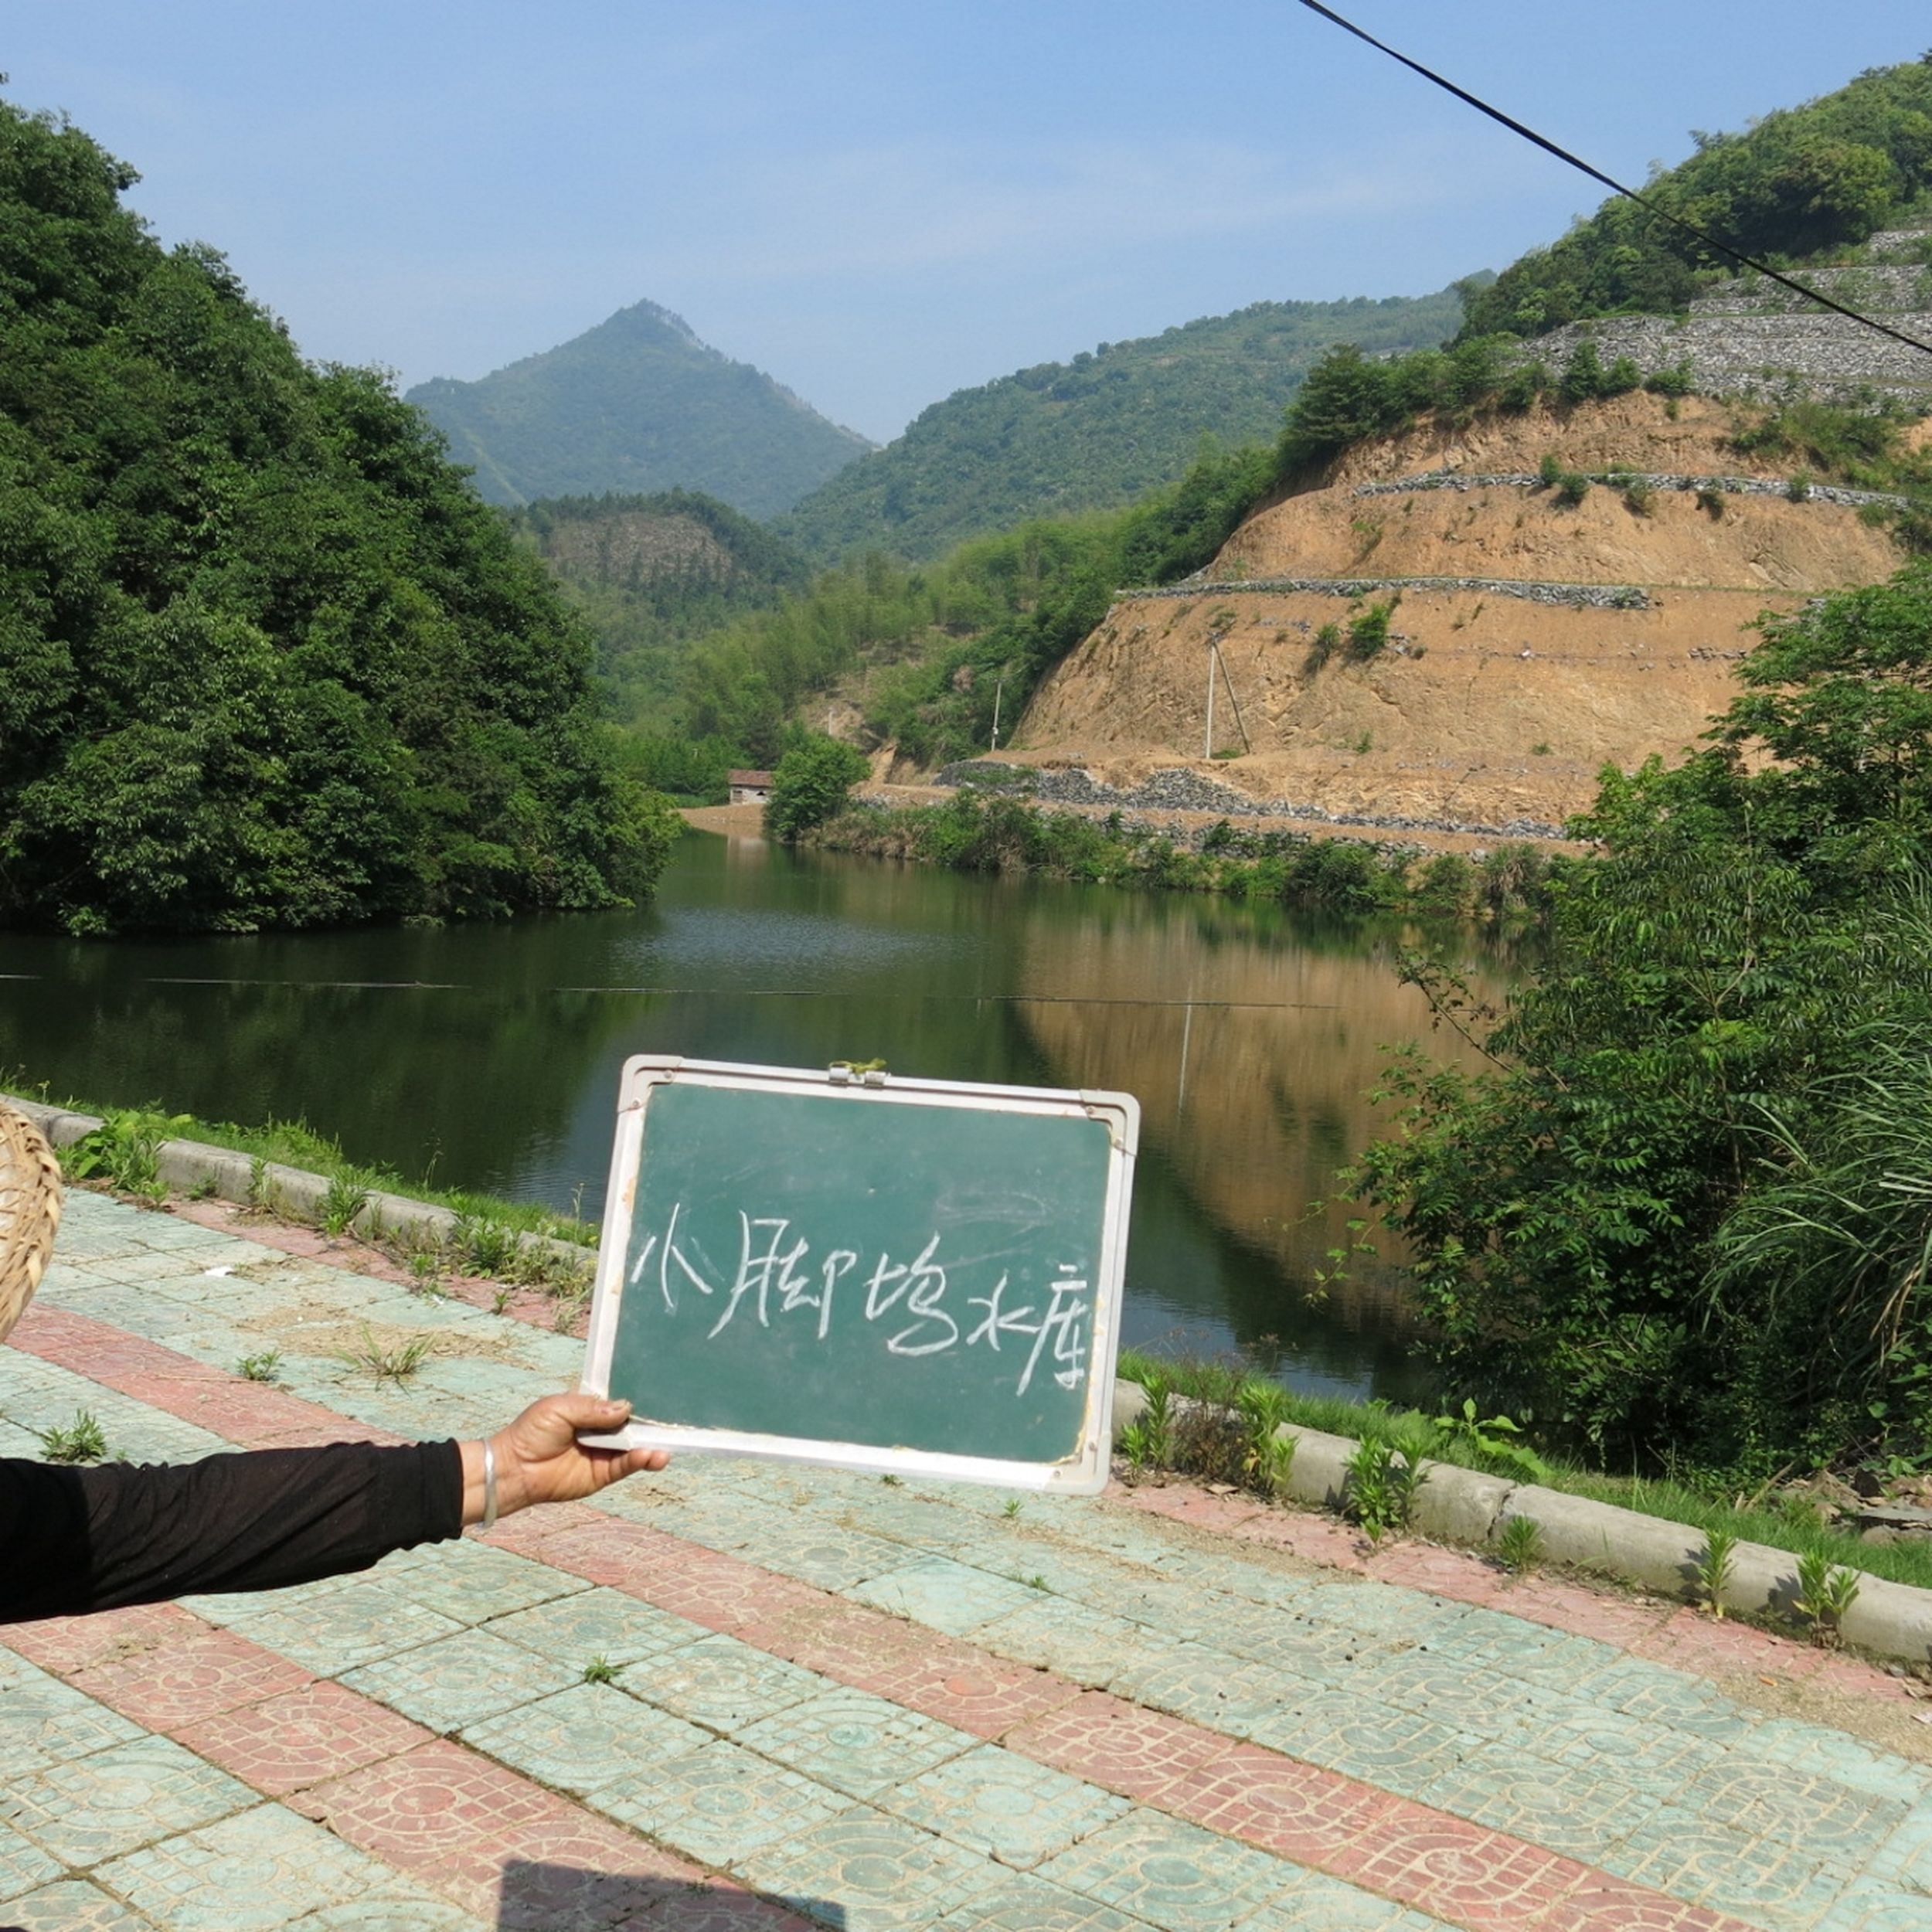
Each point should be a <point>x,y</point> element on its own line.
<point>1582,597</point>
<point>1177,789</point>
<point>1651,479</point>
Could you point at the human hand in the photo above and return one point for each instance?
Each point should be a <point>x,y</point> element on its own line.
<point>539,1458</point>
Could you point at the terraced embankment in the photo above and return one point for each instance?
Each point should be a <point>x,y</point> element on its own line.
<point>1532,641</point>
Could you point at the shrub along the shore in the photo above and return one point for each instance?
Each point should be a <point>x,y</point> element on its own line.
<point>988,831</point>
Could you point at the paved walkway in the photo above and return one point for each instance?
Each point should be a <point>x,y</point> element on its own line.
<point>736,1696</point>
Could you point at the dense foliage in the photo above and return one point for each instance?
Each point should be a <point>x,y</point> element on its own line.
<point>264,659</point>
<point>638,404</point>
<point>1099,431</point>
<point>943,646</point>
<point>1685,1213</point>
<point>992,828</point>
<point>652,573</point>
<point>1797,183</point>
<point>812,783</point>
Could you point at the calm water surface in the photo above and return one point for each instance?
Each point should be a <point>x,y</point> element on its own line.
<point>488,1056</point>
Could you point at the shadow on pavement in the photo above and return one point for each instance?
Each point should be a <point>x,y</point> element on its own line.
<point>541,1897</point>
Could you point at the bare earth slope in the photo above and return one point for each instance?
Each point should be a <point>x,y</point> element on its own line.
<point>1551,640</point>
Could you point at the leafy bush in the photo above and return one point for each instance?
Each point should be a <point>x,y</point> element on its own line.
<point>811,783</point>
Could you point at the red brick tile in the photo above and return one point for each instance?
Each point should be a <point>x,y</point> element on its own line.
<point>1695,1640</point>
<point>199,1674</point>
<point>1184,1503</point>
<point>1453,1573</point>
<point>839,1639</point>
<point>64,1644</point>
<point>1141,1754</point>
<point>573,1868</point>
<point>302,1737</point>
<point>1294,1810</point>
<point>984,1695</point>
<point>1483,1879</point>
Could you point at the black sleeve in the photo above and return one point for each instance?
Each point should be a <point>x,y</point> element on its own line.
<point>81,1539</point>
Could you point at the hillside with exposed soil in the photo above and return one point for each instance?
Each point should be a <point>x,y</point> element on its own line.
<point>1531,639</point>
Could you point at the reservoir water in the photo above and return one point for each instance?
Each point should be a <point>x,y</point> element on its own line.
<point>488,1056</point>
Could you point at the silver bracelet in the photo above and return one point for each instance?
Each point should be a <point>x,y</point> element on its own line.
<point>489,1486</point>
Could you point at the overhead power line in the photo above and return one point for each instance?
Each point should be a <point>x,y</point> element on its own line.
<point>1617,187</point>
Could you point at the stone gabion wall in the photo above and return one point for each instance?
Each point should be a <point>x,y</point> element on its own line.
<point>1177,789</point>
<point>1730,485</point>
<point>1582,596</point>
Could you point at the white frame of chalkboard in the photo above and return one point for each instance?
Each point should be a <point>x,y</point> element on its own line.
<point>1084,1474</point>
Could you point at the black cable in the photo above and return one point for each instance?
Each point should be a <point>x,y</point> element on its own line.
<point>1616,187</point>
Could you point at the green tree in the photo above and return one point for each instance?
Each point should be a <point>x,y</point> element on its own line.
<point>813,782</point>
<point>1619,1224</point>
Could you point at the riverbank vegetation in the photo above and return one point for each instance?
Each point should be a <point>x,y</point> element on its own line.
<point>265,660</point>
<point>1682,1214</point>
<point>1789,1520</point>
<point>979,831</point>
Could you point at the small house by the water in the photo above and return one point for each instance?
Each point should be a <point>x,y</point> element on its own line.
<point>750,787</point>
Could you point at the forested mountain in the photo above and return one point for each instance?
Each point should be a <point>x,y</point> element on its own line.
<point>638,404</point>
<point>1800,183</point>
<point>264,658</point>
<point>650,572</point>
<point>1099,431</point>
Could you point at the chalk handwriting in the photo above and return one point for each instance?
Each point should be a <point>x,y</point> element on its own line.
<point>779,1275</point>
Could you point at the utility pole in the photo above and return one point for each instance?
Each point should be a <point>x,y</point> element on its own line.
<point>1207,748</point>
<point>998,692</point>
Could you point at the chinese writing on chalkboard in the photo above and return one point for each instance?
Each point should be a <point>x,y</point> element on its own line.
<point>779,1274</point>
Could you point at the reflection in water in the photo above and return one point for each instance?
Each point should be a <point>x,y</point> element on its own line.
<point>488,1056</point>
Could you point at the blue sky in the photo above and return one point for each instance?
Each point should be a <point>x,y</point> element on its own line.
<point>881,203</point>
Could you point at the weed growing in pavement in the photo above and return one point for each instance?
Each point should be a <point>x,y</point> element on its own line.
<point>342,1202</point>
<point>1520,1546</point>
<point>1148,1443</point>
<point>1269,1455</point>
<point>124,1151</point>
<point>892,1482</point>
<point>600,1670</point>
<point>265,1367</point>
<point>1010,1507</point>
<point>1714,1569</point>
<point>1825,1591</point>
<point>396,1364</point>
<point>83,1440</point>
<point>501,1300</point>
<point>1383,1477</point>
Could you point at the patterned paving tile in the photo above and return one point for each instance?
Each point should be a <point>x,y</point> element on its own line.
<point>1004,1805</point>
<point>856,1742</point>
<point>1766,1882</point>
<point>596,1622</point>
<point>394,1907</point>
<point>98,1807</point>
<point>1831,1822</point>
<point>1089,1646</point>
<point>719,1804</point>
<point>1454,1870</point>
<point>1207,1687</point>
<point>1172,1874</point>
<point>43,1721</point>
<point>1583,1814</point>
<point>1812,1751</point>
<point>883,1875</point>
<point>336,1629</point>
<point>470,1583</point>
<point>571,1873</point>
<point>1141,1754</point>
<point>201,1674</point>
<point>1396,1749</point>
<point>73,1904</point>
<point>721,1682</point>
<point>249,1873</point>
<point>1280,1805</point>
<point>23,1865</point>
<point>65,1644</point>
<point>942,1594</point>
<point>1021,1902</point>
<point>588,1736</point>
<point>459,1680</point>
<point>303,1737</point>
<point>718,1906</point>
<point>1315,1902</point>
<point>968,1691</point>
<point>828,1555</point>
<point>1599,1904</point>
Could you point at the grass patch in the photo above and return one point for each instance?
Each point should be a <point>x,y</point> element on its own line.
<point>1800,1531</point>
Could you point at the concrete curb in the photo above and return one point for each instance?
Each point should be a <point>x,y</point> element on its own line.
<point>1464,1506</point>
<point>293,1191</point>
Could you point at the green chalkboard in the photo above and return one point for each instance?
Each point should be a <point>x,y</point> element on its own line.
<point>876,1273</point>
